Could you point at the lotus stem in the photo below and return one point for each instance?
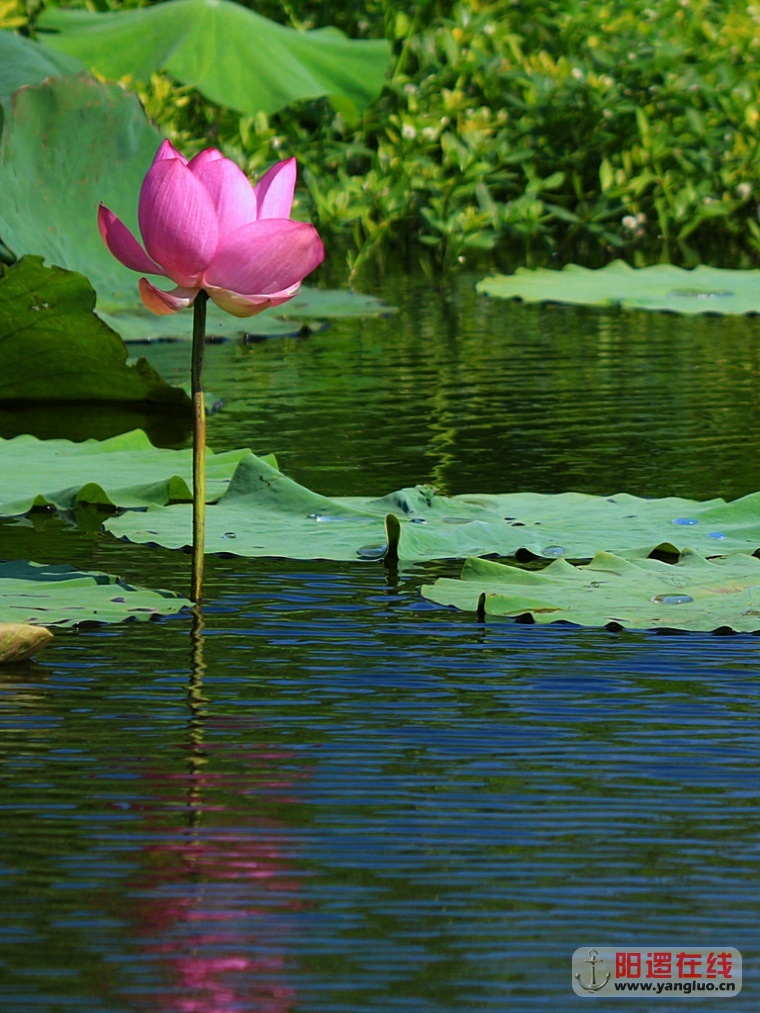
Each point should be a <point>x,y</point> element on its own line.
<point>199,446</point>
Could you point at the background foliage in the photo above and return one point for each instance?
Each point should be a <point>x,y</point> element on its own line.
<point>524,130</point>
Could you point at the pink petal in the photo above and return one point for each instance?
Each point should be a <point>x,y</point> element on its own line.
<point>177,221</point>
<point>238,305</point>
<point>167,150</point>
<point>229,188</point>
<point>274,191</point>
<point>123,244</point>
<point>207,155</point>
<point>248,305</point>
<point>164,303</point>
<point>265,258</point>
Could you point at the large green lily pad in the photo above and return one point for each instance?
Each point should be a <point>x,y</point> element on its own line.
<point>264,513</point>
<point>661,287</point>
<point>125,471</point>
<point>695,593</point>
<point>23,62</point>
<point>54,348</point>
<point>63,596</point>
<point>257,511</point>
<point>229,53</point>
<point>66,145</point>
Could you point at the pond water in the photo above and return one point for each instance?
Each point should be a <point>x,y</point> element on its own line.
<point>337,797</point>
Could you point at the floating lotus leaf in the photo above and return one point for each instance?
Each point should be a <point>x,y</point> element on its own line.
<point>306,311</point>
<point>264,513</point>
<point>662,287</point>
<point>258,511</point>
<point>694,593</point>
<point>63,596</point>
<point>229,53</point>
<point>124,471</point>
<point>54,348</point>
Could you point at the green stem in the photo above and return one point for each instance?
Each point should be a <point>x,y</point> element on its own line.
<point>199,446</point>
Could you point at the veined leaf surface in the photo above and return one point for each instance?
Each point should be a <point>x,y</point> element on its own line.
<point>55,349</point>
<point>232,55</point>
<point>694,593</point>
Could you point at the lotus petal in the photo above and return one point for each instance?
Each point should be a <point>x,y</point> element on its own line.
<point>229,188</point>
<point>123,245</point>
<point>265,258</point>
<point>163,303</point>
<point>274,191</point>
<point>178,221</point>
<point>167,150</point>
<point>248,305</point>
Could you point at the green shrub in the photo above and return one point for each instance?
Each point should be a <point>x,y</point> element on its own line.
<point>519,129</point>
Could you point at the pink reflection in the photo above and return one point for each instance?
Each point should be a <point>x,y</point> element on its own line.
<point>214,901</point>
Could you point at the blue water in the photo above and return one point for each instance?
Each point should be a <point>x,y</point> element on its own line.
<point>337,797</point>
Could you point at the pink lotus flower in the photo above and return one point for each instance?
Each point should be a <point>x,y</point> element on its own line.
<point>206,228</point>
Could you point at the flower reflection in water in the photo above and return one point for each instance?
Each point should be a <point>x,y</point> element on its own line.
<point>214,899</point>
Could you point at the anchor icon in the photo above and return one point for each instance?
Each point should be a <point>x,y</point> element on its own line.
<point>593,959</point>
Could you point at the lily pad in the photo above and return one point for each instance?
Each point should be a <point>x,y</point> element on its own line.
<point>63,596</point>
<point>329,304</point>
<point>264,513</point>
<point>661,287</point>
<point>695,594</point>
<point>66,145</point>
<point>125,471</point>
<point>23,62</point>
<point>306,312</point>
<point>54,348</point>
<point>257,511</point>
<point>232,55</point>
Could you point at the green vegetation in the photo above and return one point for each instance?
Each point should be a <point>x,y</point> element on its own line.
<point>563,130</point>
<point>693,593</point>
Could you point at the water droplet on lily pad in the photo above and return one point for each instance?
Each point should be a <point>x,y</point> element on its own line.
<point>672,599</point>
<point>554,551</point>
<point>229,534</point>
<point>717,534</point>
<point>456,520</point>
<point>418,520</point>
<point>685,521</point>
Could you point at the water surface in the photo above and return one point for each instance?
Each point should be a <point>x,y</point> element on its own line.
<point>340,798</point>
